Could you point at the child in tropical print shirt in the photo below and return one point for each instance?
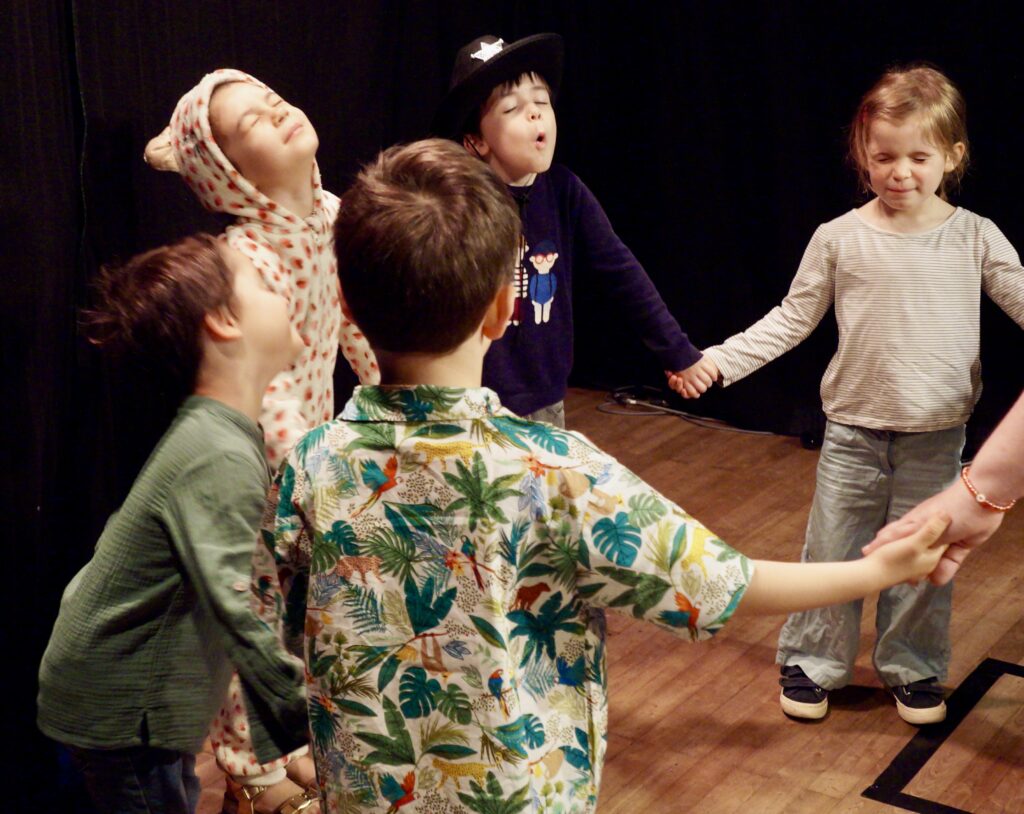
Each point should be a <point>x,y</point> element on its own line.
<point>441,557</point>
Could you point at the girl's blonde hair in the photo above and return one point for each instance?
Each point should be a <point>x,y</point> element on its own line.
<point>917,90</point>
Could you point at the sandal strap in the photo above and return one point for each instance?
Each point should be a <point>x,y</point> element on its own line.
<point>247,795</point>
<point>250,793</point>
<point>299,803</point>
<point>239,798</point>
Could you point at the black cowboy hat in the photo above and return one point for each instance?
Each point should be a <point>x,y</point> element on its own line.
<point>486,62</point>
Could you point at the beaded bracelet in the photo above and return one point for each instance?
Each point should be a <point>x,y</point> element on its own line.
<point>978,496</point>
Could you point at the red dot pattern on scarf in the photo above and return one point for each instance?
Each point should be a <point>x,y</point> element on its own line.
<point>292,255</point>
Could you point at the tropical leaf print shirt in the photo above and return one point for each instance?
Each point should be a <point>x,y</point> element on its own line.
<point>445,564</point>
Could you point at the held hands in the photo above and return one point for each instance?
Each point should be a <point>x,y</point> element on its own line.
<point>914,554</point>
<point>696,379</point>
<point>972,525</point>
<point>786,587</point>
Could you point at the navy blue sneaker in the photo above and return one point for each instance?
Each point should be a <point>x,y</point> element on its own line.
<point>801,697</point>
<point>920,702</point>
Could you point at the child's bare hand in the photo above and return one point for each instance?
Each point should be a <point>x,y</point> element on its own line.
<point>915,555</point>
<point>695,379</point>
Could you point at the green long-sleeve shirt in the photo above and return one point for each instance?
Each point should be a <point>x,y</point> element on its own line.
<point>150,628</point>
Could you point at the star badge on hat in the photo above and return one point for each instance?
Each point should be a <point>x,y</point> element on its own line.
<point>488,50</point>
<point>483,64</point>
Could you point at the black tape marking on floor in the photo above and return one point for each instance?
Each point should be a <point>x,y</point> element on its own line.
<point>888,786</point>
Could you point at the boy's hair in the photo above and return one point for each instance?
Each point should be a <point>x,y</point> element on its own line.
<point>425,238</point>
<point>152,307</point>
<point>903,92</point>
<point>471,126</point>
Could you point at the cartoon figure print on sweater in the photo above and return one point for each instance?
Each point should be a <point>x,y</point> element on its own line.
<point>520,280</point>
<point>544,283</point>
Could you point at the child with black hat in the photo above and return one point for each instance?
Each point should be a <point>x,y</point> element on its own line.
<point>499,106</point>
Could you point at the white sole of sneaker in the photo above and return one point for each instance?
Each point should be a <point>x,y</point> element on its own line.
<point>798,709</point>
<point>921,715</point>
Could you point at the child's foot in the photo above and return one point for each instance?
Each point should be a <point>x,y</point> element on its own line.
<point>302,771</point>
<point>801,697</point>
<point>920,702</point>
<point>281,798</point>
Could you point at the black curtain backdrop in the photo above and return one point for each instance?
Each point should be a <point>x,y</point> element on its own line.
<point>712,133</point>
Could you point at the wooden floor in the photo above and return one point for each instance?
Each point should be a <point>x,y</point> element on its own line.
<point>697,728</point>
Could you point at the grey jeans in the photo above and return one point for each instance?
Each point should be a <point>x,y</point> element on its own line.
<point>867,478</point>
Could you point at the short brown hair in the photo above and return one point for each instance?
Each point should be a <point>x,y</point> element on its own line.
<point>903,92</point>
<point>425,238</point>
<point>152,307</point>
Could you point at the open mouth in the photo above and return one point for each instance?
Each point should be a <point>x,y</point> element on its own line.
<point>541,139</point>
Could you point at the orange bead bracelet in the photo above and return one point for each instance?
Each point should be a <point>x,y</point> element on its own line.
<point>978,496</point>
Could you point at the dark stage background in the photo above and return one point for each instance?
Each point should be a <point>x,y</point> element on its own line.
<point>713,133</point>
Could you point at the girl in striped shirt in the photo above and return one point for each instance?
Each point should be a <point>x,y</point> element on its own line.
<point>905,272</point>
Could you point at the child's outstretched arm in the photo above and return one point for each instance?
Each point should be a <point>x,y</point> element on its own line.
<point>643,554</point>
<point>787,324</point>
<point>619,275</point>
<point>786,587</point>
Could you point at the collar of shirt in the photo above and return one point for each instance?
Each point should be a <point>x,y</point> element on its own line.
<point>421,403</point>
<point>196,403</point>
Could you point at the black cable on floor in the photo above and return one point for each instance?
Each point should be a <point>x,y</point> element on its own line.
<point>643,400</point>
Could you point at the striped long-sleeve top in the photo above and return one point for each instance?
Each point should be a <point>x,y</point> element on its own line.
<point>907,308</point>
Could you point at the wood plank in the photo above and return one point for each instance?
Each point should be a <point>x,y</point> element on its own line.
<point>984,751</point>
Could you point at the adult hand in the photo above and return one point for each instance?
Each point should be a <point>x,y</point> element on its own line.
<point>972,525</point>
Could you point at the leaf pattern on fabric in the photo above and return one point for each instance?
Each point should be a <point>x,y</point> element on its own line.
<point>449,595</point>
<point>416,693</point>
<point>617,539</point>
<point>646,509</point>
<point>479,494</point>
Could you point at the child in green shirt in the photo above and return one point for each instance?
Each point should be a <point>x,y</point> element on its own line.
<point>150,629</point>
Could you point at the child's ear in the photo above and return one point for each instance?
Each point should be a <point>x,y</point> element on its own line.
<point>221,325</point>
<point>475,145</point>
<point>499,313</point>
<point>955,156</point>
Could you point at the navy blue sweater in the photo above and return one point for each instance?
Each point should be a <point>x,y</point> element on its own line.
<point>566,232</point>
